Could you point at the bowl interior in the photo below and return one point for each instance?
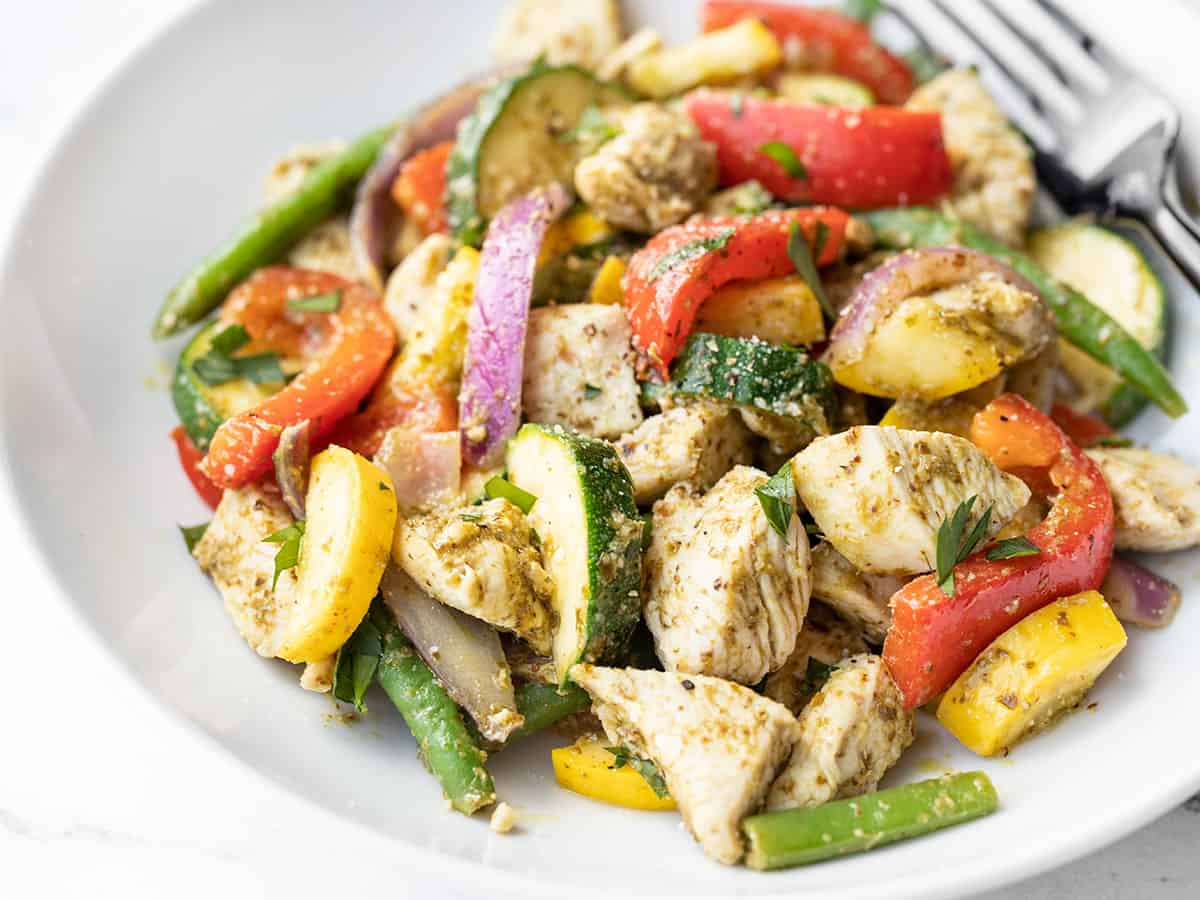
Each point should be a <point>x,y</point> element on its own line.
<point>167,158</point>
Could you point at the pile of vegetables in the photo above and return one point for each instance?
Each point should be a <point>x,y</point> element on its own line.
<point>358,438</point>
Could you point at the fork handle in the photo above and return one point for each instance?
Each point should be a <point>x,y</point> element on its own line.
<point>1180,237</point>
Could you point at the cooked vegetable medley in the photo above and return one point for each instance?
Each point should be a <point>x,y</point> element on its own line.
<point>717,404</point>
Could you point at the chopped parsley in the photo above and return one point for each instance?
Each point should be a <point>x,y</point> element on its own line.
<point>778,499</point>
<point>357,660</point>
<point>1013,548</point>
<point>288,554</point>
<point>219,365</point>
<point>645,768</point>
<point>804,259</point>
<point>192,534</point>
<point>591,392</point>
<point>326,303</point>
<point>471,517</point>
<point>955,543</point>
<point>690,250</point>
<point>498,486</point>
<point>815,676</point>
<point>592,128</point>
<point>786,157</point>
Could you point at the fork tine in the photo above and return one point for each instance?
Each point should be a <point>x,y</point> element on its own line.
<point>1017,60</point>
<point>1057,40</point>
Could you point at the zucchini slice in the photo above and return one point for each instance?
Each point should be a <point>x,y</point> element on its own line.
<point>591,536</point>
<point>203,407</point>
<point>751,373</point>
<point>518,138</point>
<point>1111,271</point>
<point>826,90</point>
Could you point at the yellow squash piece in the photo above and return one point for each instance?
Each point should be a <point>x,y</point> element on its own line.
<point>823,89</point>
<point>779,310</point>
<point>347,540</point>
<point>717,57</point>
<point>577,229</point>
<point>952,415</point>
<point>587,767</point>
<point>1033,673</point>
<point>606,286</point>
<point>434,352</point>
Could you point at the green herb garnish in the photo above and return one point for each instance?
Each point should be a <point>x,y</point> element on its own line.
<point>815,676</point>
<point>357,660</point>
<point>778,499</point>
<point>804,259</point>
<point>261,368</point>
<point>471,517</point>
<point>498,486</point>
<point>192,534</point>
<point>645,768</point>
<point>1013,548</point>
<point>591,392</point>
<point>288,554</point>
<point>690,250</point>
<point>647,531</point>
<point>786,157</point>
<point>592,127</point>
<point>535,538</point>
<point>1112,440</point>
<point>229,340</point>
<point>219,365</point>
<point>326,303</point>
<point>953,546</point>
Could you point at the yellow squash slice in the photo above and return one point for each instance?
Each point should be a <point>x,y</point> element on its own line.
<point>587,767</point>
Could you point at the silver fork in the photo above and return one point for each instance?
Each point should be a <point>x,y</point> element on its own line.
<point>1105,139</point>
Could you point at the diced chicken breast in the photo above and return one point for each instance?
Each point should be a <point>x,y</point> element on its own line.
<point>879,494</point>
<point>242,564</point>
<point>638,44</point>
<point>994,182</point>
<point>851,733</point>
<point>655,173</point>
<point>696,443</point>
<point>411,289</point>
<point>481,560</point>
<point>860,598</point>
<point>318,676</point>
<point>1156,498</point>
<point>579,370</point>
<point>562,31</point>
<point>725,595</point>
<point>718,745</point>
<point>825,638</point>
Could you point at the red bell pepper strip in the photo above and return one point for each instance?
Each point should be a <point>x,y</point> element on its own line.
<point>426,410</point>
<point>858,158</point>
<point>934,638</point>
<point>666,281</point>
<point>420,188</point>
<point>189,459</point>
<point>348,348</point>
<point>822,40</point>
<point>1085,430</point>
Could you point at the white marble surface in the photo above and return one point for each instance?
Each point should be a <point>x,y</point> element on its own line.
<point>104,794</point>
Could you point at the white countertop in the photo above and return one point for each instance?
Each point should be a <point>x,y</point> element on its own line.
<point>105,794</point>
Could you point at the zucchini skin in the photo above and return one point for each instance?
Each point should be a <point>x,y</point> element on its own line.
<point>199,417</point>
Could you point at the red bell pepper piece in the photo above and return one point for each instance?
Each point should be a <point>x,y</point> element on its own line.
<point>933,638</point>
<point>858,158</point>
<point>661,297</point>
<point>348,349</point>
<point>1085,430</point>
<point>420,188</point>
<point>822,40</point>
<point>426,410</point>
<point>189,459</point>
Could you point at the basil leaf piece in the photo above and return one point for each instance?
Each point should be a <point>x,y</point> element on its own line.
<point>192,534</point>
<point>786,157</point>
<point>261,368</point>
<point>778,499</point>
<point>690,250</point>
<point>357,660</point>
<point>229,340</point>
<point>815,676</point>
<point>215,368</point>
<point>328,302</point>
<point>1112,440</point>
<point>1013,548</point>
<point>644,767</point>
<point>591,127</point>
<point>498,486</point>
<point>953,545</point>
<point>804,261</point>
<point>591,392</point>
<point>288,554</point>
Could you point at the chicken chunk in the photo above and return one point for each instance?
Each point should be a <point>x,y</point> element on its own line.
<point>242,564</point>
<point>859,598</point>
<point>695,443</point>
<point>851,733</point>
<point>412,287</point>
<point>655,173</point>
<point>561,31</point>
<point>318,676</point>
<point>879,494</point>
<point>994,182</point>
<point>718,745</point>
<point>481,560</point>
<point>579,370</point>
<point>826,639</point>
<point>1156,498</point>
<point>725,595</point>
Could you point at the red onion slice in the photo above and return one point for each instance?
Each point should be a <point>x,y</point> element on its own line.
<point>291,466</point>
<point>489,404</point>
<point>1138,596</point>
<point>426,468</point>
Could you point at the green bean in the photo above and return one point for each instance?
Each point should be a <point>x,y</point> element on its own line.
<point>544,704</point>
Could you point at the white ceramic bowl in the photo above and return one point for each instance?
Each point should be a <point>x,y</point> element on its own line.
<point>162,163</point>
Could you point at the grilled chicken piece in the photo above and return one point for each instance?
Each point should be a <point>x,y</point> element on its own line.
<point>318,676</point>
<point>994,181</point>
<point>579,370</point>
<point>725,595</point>
<point>561,31</point>
<point>695,443</point>
<point>851,733</point>
<point>481,560</point>
<point>859,598</point>
<point>718,745</point>
<point>655,173</point>
<point>825,638</point>
<point>879,494</point>
<point>411,293</point>
<point>1156,498</point>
